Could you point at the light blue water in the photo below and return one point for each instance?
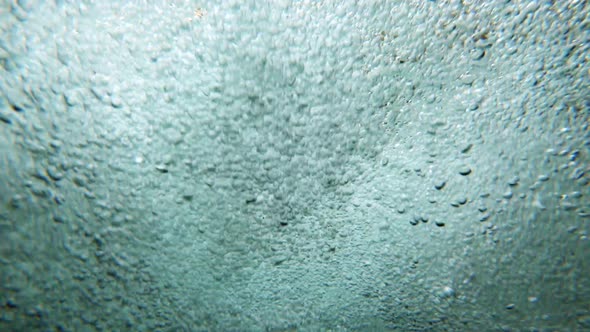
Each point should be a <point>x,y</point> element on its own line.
<point>294,166</point>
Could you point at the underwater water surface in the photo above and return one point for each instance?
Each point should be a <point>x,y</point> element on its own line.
<point>283,165</point>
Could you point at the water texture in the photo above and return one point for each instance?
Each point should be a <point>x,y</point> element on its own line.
<point>294,165</point>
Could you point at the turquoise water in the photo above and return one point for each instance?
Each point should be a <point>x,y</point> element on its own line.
<point>294,166</point>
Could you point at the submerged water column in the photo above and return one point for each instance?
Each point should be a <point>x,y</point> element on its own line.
<point>294,165</point>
